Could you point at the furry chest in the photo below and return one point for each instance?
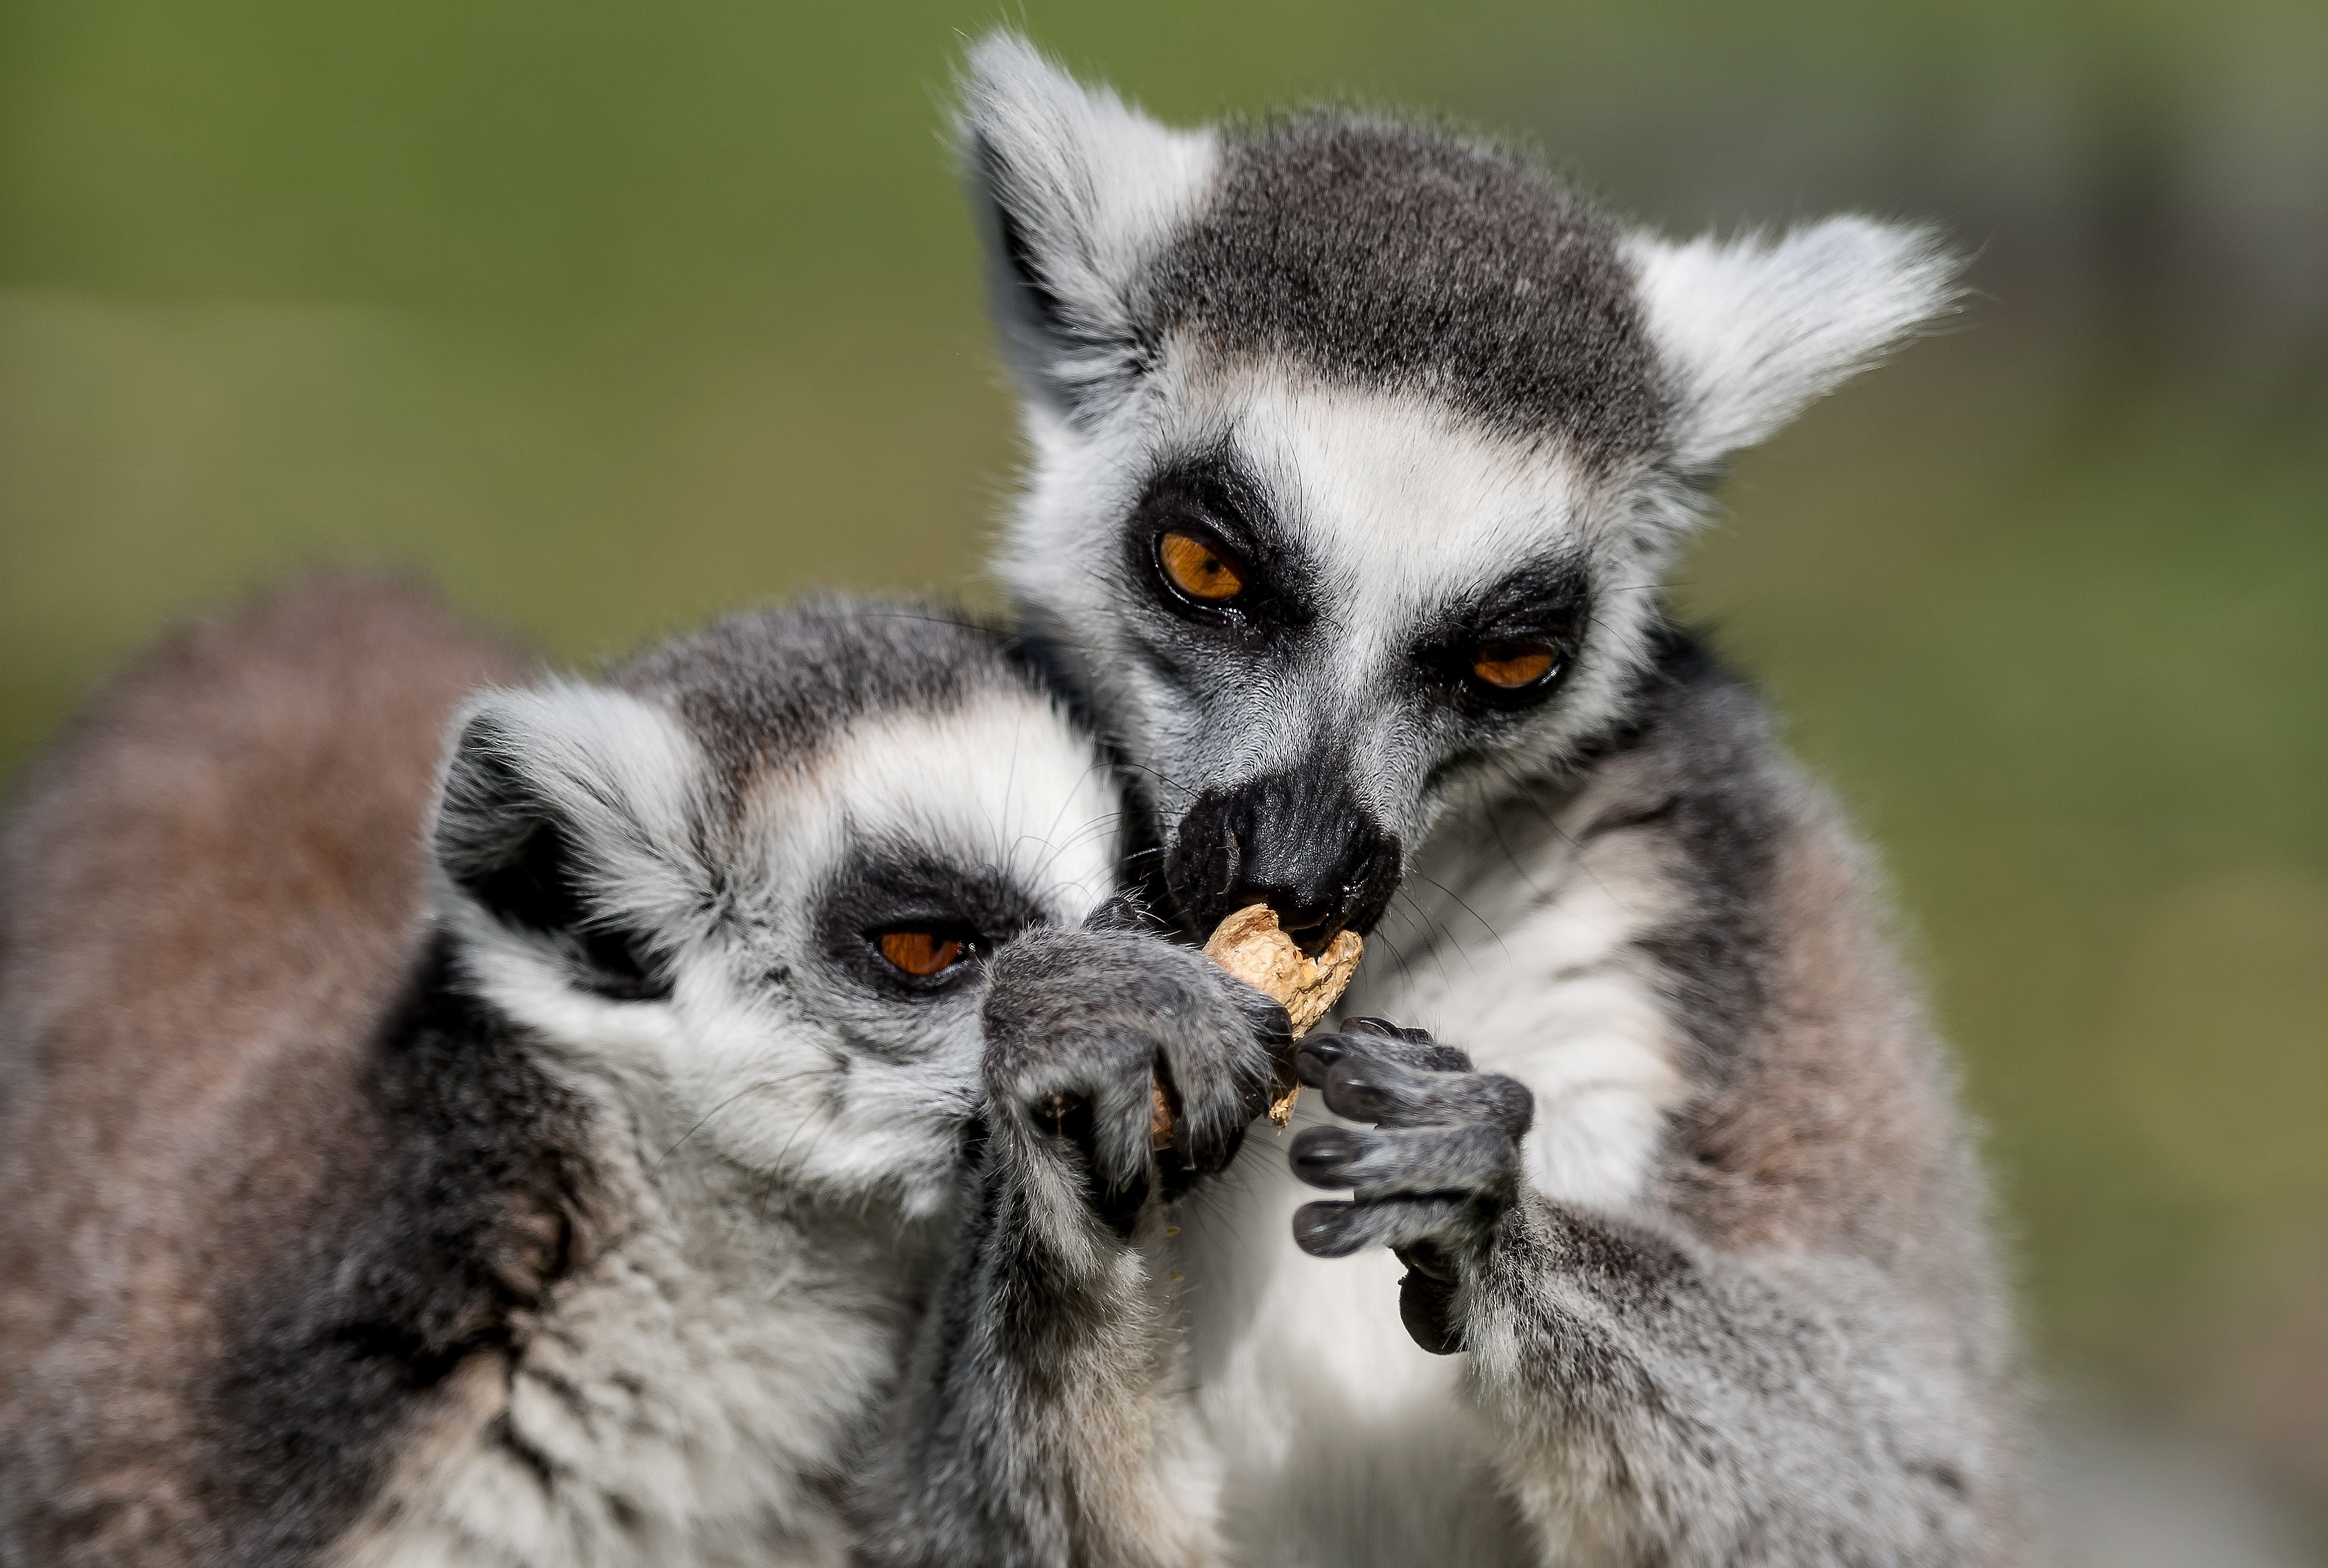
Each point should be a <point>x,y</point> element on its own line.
<point>656,1413</point>
<point>1340,1442</point>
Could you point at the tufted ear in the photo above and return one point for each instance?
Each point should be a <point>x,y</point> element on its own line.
<point>1074,190</point>
<point>1756,328</point>
<point>569,814</point>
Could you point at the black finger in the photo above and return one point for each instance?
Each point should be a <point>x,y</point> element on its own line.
<point>1119,1206</point>
<point>1219,1099</point>
<point>1371,1086</point>
<point>1439,1058</point>
<point>1335,1230</point>
<point>1315,1058</point>
<point>1376,1089</point>
<point>1208,1135</point>
<point>1063,1113</point>
<point>1422,1053</point>
<point>1431,1259</point>
<point>1235,1141</point>
<point>1320,1154</point>
<point>1388,1031</point>
<point>1426,1305</point>
<point>1464,1157</point>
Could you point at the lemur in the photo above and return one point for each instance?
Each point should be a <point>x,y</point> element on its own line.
<point>550,1174</point>
<point>1358,449</point>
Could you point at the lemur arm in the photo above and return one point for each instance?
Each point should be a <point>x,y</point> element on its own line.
<point>1664,1400</point>
<point>1040,1421</point>
<point>1037,1389</point>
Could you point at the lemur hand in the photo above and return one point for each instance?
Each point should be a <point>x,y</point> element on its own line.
<point>1081,1022</point>
<point>1432,1181</point>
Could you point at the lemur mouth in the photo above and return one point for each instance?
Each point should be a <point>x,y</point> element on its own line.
<point>1313,938</point>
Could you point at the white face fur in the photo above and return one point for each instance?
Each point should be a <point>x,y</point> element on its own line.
<point>1398,518</point>
<point>738,995</point>
<point>1438,431</point>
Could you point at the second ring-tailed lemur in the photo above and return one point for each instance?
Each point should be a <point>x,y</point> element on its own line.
<point>561,1193</point>
<point>1358,451</point>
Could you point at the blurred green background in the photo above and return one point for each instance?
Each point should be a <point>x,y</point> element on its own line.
<point>612,315</point>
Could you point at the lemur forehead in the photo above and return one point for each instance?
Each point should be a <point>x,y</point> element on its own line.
<point>776,687</point>
<point>1405,258</point>
<point>1001,781</point>
<point>1398,506</point>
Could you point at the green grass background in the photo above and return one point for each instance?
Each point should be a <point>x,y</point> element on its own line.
<point>612,315</point>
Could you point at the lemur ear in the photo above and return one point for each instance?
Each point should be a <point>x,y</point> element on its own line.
<point>1074,190</point>
<point>568,814</point>
<point>1755,328</point>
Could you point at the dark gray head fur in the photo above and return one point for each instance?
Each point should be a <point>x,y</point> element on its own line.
<point>782,683</point>
<point>1399,257</point>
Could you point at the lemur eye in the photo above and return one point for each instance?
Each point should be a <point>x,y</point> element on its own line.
<point>921,954</point>
<point>1199,568</point>
<point>1512,665</point>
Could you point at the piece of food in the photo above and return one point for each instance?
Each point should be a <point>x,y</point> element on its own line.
<point>1251,946</point>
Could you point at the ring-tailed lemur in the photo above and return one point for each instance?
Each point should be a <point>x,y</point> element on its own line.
<point>1357,451</point>
<point>560,1193</point>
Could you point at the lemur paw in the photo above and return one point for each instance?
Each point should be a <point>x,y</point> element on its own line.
<point>1081,1022</point>
<point>1434,1178</point>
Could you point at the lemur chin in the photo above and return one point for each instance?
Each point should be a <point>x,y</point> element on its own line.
<point>1357,453</point>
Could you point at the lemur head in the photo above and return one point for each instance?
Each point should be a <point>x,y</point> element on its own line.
<point>748,881</point>
<point>1358,451</point>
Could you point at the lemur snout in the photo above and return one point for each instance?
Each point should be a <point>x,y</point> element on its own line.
<point>1301,842</point>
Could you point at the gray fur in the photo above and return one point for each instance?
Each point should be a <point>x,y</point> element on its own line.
<point>568,1199</point>
<point>1036,1425</point>
<point>1391,255</point>
<point>206,893</point>
<point>1686,1185</point>
<point>762,687</point>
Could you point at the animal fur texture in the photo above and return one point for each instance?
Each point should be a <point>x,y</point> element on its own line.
<point>537,1161</point>
<point>1675,1178</point>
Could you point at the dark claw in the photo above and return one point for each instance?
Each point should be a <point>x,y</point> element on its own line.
<point>1429,1259</point>
<point>1324,1230</point>
<point>1320,1154</point>
<point>1068,1116</point>
<point>1350,1093</point>
<point>1427,1307</point>
<point>1387,1030</point>
<point>1316,1059</point>
<point>1215,1156</point>
<point>1119,1207</point>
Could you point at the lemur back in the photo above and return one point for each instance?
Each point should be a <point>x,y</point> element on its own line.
<point>207,892</point>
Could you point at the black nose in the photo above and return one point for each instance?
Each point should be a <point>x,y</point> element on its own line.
<point>1301,842</point>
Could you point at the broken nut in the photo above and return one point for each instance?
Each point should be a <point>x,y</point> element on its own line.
<point>1251,945</point>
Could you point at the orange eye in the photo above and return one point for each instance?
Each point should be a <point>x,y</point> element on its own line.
<point>921,954</point>
<point>1509,666</point>
<point>1198,569</point>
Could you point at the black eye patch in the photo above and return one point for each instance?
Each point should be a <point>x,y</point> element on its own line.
<point>908,922</point>
<point>1207,504</point>
<point>1513,644</point>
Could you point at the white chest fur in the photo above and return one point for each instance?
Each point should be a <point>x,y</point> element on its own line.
<point>682,1401</point>
<point>1341,1441</point>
